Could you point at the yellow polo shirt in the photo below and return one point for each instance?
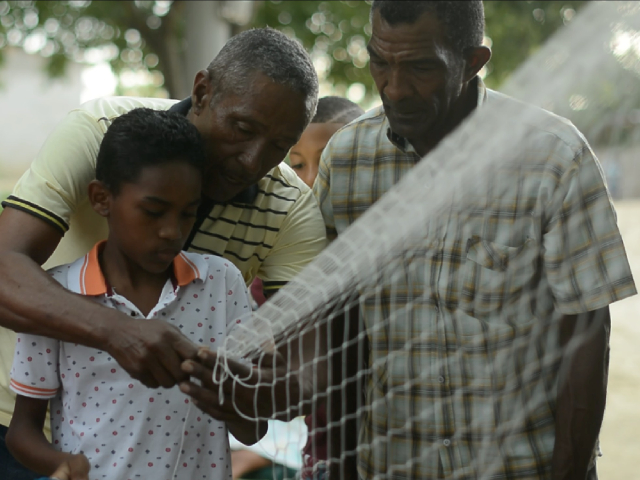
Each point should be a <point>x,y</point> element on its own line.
<point>271,231</point>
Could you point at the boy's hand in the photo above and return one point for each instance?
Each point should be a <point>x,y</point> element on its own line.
<point>76,467</point>
<point>239,397</point>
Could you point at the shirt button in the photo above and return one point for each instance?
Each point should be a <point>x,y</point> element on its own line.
<point>446,442</point>
<point>441,379</point>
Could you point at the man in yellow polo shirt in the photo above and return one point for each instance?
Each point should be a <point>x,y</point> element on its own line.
<point>250,105</point>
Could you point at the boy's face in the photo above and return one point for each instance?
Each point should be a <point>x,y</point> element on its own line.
<point>151,219</point>
<point>305,155</point>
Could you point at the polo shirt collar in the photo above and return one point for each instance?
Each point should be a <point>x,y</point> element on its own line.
<point>404,144</point>
<point>91,281</point>
<point>249,194</point>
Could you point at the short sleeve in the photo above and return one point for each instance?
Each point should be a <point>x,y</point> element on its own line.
<point>35,367</point>
<point>300,239</point>
<point>584,256</point>
<point>238,305</point>
<point>322,192</point>
<point>56,182</point>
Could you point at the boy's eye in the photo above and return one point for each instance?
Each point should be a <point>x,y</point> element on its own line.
<point>297,166</point>
<point>153,213</point>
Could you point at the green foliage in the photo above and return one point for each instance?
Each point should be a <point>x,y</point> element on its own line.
<point>336,33</point>
<point>124,33</point>
<point>517,29</point>
<point>142,35</point>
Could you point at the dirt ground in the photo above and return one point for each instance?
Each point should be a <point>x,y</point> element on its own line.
<point>620,437</point>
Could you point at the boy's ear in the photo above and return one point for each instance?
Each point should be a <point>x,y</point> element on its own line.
<point>100,197</point>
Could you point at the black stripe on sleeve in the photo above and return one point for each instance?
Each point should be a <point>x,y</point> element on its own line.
<point>37,211</point>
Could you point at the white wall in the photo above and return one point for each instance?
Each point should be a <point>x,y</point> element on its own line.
<point>31,104</point>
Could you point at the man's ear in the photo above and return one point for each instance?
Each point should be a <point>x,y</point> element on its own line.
<point>201,93</point>
<point>475,59</point>
<point>100,197</point>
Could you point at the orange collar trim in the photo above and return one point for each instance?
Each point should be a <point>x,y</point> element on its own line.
<point>93,283</point>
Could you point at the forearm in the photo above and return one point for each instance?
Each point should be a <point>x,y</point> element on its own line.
<point>581,392</point>
<point>53,312</point>
<point>351,352</point>
<point>33,451</point>
<point>304,377</point>
<point>26,440</point>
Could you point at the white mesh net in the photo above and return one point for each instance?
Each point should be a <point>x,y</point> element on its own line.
<point>460,274</point>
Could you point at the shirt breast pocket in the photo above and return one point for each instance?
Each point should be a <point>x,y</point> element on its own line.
<point>496,278</point>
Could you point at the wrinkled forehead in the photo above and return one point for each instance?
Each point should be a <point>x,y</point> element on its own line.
<point>426,37</point>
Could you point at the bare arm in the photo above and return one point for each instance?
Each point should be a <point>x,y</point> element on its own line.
<point>27,443</point>
<point>351,356</point>
<point>582,390</point>
<point>150,351</point>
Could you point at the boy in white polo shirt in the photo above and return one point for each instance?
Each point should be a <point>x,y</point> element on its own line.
<point>104,424</point>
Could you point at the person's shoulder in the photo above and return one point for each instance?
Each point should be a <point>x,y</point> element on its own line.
<point>540,120</point>
<point>369,123</point>
<point>209,267</point>
<point>281,184</point>
<point>111,107</point>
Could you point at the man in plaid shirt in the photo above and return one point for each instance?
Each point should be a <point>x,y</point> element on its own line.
<point>470,382</point>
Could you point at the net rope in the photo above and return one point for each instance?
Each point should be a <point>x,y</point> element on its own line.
<point>378,265</point>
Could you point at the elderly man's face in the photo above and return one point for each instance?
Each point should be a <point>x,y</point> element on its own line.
<point>245,135</point>
<point>421,79</point>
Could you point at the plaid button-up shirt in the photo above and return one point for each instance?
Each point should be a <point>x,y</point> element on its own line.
<point>463,350</point>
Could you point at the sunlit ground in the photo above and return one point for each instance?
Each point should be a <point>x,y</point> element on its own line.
<point>620,438</point>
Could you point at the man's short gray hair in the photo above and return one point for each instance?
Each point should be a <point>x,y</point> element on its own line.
<point>272,53</point>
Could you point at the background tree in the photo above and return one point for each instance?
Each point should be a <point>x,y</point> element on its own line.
<point>168,41</point>
<point>135,37</point>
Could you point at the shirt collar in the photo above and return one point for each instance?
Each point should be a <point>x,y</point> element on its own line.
<point>186,269</point>
<point>404,144</point>
<point>249,194</point>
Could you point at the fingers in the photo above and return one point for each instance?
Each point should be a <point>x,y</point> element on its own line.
<point>76,467</point>
<point>152,352</point>
<point>208,401</point>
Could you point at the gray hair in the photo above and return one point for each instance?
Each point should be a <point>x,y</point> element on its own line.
<point>272,53</point>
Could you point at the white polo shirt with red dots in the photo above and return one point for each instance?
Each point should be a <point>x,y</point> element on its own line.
<point>126,430</point>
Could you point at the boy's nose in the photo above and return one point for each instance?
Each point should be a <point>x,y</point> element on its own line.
<point>170,231</point>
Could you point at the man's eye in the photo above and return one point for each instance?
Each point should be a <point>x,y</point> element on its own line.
<point>243,128</point>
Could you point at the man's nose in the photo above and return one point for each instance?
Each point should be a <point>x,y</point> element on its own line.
<point>251,158</point>
<point>397,87</point>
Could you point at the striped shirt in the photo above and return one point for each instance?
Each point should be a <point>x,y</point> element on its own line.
<point>463,349</point>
